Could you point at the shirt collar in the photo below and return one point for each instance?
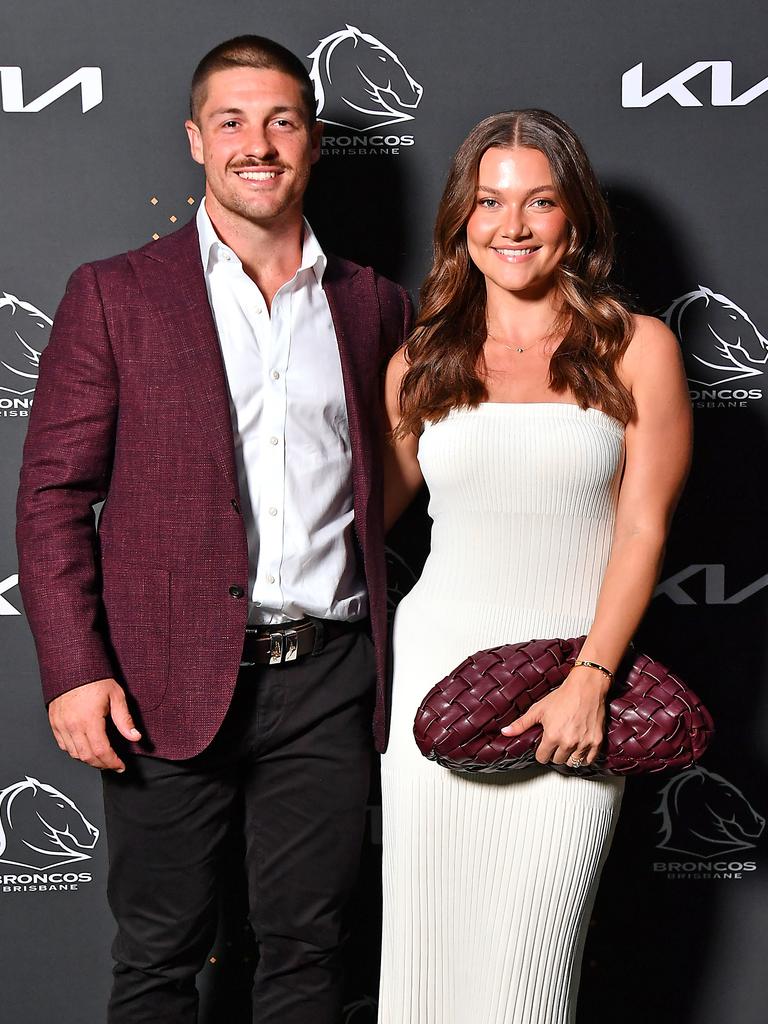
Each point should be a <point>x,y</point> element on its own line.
<point>312,256</point>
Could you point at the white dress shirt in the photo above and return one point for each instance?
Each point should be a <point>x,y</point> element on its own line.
<point>292,449</point>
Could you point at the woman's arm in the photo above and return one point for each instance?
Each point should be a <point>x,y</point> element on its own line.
<point>658,449</point>
<point>402,473</point>
<point>658,452</point>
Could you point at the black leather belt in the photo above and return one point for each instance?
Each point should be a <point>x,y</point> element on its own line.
<point>288,641</point>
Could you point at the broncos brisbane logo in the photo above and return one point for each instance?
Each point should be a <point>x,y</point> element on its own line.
<point>24,336</point>
<point>705,816</point>
<point>40,828</point>
<point>720,341</point>
<point>360,83</point>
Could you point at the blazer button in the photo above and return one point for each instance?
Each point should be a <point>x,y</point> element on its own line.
<point>236,591</point>
<point>235,505</point>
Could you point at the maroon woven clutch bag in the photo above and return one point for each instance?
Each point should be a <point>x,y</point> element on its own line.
<point>654,720</point>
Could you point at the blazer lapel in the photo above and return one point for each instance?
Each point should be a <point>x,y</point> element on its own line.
<point>351,294</point>
<point>171,276</point>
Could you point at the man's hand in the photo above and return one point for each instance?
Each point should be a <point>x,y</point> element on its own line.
<point>78,719</point>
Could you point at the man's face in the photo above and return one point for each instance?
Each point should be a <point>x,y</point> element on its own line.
<point>254,141</point>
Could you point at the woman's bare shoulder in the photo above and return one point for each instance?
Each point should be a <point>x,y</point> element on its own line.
<point>653,336</point>
<point>652,350</point>
<point>397,367</point>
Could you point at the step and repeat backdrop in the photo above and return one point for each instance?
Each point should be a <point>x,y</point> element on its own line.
<point>671,101</point>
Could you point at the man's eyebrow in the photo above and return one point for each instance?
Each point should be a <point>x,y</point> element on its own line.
<point>287,110</point>
<point>225,110</point>
<point>236,111</point>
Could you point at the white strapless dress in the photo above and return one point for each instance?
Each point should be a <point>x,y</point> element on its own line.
<point>489,880</point>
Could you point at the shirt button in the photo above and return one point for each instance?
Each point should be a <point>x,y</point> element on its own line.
<point>226,256</point>
<point>275,375</point>
<point>270,579</point>
<point>272,510</point>
<point>274,440</point>
<point>257,603</point>
<point>236,591</point>
<point>258,311</point>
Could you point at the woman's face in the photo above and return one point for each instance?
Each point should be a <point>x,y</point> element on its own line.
<point>517,232</point>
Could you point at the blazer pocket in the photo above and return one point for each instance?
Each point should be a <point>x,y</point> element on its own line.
<point>137,603</point>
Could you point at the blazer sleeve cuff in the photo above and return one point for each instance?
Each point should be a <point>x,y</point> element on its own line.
<point>90,666</point>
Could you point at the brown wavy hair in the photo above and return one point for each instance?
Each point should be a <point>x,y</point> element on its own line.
<point>444,353</point>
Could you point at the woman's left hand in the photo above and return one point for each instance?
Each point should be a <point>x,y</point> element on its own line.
<point>572,716</point>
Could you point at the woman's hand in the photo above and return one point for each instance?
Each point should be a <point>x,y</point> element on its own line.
<point>573,718</point>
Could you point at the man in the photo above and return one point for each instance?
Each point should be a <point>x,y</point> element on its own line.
<point>219,388</point>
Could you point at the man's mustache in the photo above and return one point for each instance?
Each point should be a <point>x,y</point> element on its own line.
<point>261,166</point>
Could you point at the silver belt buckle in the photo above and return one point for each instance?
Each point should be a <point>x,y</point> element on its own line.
<point>283,647</point>
<point>291,645</point>
<point>275,648</point>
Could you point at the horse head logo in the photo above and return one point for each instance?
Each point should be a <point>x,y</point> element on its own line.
<point>21,342</point>
<point>704,815</point>
<point>720,341</point>
<point>360,83</point>
<point>40,828</point>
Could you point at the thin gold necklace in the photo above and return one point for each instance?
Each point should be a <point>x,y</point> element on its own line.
<point>514,348</point>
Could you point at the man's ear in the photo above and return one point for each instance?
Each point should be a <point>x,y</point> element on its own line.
<point>195,141</point>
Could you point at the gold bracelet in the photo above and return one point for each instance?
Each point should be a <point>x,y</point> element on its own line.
<point>593,664</point>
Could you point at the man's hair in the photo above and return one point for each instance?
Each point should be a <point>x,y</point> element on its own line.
<point>250,52</point>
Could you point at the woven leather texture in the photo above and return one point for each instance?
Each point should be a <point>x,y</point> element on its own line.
<point>654,722</point>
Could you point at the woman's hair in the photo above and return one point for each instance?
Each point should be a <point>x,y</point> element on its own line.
<point>445,349</point>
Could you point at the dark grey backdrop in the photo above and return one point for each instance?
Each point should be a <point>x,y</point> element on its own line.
<point>679,931</point>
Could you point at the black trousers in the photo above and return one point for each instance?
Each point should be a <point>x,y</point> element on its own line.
<point>295,747</point>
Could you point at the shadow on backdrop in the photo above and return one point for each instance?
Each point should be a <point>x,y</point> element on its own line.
<point>649,918</point>
<point>356,204</point>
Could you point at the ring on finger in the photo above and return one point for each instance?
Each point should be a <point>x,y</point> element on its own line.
<point>575,762</point>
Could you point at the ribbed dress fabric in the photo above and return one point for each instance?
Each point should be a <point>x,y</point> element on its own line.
<point>489,880</point>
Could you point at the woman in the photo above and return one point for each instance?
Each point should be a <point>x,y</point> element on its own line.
<point>552,428</point>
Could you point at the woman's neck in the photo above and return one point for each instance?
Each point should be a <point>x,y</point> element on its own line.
<point>520,319</point>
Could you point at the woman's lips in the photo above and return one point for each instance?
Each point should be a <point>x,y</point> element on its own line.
<point>516,255</point>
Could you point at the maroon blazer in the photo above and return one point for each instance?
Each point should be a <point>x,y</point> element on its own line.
<point>132,407</point>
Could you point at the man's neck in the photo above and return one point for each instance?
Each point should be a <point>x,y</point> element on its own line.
<point>270,253</point>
